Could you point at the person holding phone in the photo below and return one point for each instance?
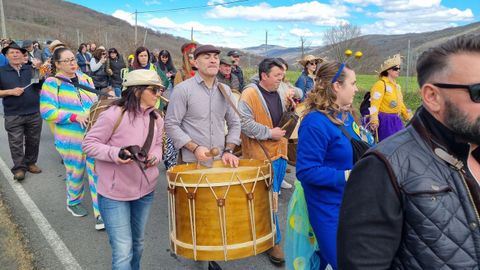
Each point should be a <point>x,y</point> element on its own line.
<point>98,67</point>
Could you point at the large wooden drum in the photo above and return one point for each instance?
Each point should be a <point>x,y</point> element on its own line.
<point>220,213</point>
<point>293,140</point>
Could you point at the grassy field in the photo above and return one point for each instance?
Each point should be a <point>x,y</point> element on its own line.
<point>365,82</point>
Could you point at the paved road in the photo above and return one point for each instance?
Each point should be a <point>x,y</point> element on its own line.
<point>89,247</point>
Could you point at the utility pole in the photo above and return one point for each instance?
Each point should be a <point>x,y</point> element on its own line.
<point>136,17</point>
<point>191,35</point>
<point>145,38</point>
<point>78,36</point>
<point>4,29</point>
<point>266,42</point>
<point>106,39</point>
<point>408,66</point>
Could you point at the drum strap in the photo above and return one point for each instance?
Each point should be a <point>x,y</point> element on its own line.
<point>224,93</point>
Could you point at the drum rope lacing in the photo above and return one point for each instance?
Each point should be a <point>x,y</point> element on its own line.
<point>221,207</point>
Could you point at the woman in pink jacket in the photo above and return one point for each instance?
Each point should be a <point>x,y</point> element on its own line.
<point>126,142</point>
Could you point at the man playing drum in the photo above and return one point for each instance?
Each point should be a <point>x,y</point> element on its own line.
<point>261,107</point>
<point>197,112</point>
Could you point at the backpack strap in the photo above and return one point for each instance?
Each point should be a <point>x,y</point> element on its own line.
<point>84,87</point>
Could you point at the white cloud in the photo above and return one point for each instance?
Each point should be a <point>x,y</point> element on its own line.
<point>214,2</point>
<point>151,2</point>
<point>166,23</point>
<point>302,32</point>
<point>126,16</point>
<point>314,11</point>
<point>418,20</point>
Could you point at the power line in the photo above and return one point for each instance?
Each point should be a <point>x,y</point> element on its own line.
<point>191,7</point>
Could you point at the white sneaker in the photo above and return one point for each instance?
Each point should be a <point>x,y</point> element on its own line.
<point>286,185</point>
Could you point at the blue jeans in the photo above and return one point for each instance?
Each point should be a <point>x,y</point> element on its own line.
<point>118,91</point>
<point>279,167</point>
<point>125,225</point>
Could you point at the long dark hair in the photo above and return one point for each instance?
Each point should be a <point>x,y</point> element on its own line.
<point>83,45</point>
<point>56,57</point>
<point>130,99</point>
<point>136,63</point>
<point>169,65</point>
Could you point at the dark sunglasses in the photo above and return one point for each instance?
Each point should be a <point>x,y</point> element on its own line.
<point>395,68</point>
<point>473,89</point>
<point>156,89</point>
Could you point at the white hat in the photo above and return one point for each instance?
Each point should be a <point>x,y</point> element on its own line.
<point>142,77</point>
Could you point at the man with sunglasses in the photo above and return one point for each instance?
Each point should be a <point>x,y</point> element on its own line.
<point>413,202</point>
<point>21,105</point>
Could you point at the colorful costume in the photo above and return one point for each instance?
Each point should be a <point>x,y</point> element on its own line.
<point>324,157</point>
<point>386,104</point>
<point>62,103</point>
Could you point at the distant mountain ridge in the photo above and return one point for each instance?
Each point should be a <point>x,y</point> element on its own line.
<point>387,45</point>
<point>68,22</point>
<point>56,19</point>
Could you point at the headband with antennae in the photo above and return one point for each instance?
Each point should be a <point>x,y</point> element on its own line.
<point>348,54</point>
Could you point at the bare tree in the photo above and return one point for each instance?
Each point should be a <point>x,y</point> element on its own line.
<point>304,45</point>
<point>340,38</point>
<point>347,36</point>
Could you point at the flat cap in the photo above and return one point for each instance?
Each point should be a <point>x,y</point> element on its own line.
<point>234,53</point>
<point>205,49</point>
<point>226,61</point>
<point>27,43</point>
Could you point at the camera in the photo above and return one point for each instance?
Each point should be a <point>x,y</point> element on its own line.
<point>136,153</point>
<point>123,154</point>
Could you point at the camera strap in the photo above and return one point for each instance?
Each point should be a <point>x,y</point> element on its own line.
<point>148,143</point>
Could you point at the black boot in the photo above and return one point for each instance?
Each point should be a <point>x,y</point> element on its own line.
<point>213,266</point>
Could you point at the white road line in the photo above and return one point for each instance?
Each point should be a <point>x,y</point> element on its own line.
<point>63,253</point>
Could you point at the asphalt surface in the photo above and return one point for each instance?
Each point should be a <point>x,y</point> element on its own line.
<point>89,247</point>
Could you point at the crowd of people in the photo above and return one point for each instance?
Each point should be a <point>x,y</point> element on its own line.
<point>378,195</point>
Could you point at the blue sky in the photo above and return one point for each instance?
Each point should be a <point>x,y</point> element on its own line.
<point>242,23</point>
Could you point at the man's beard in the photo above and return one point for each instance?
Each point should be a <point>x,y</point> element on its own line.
<point>457,121</point>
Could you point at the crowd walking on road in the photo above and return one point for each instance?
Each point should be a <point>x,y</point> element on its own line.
<point>379,186</point>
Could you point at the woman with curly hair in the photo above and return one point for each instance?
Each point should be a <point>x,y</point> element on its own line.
<point>325,154</point>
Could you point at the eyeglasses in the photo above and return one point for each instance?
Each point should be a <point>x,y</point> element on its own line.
<point>312,63</point>
<point>68,61</point>
<point>473,89</point>
<point>395,68</point>
<point>155,89</point>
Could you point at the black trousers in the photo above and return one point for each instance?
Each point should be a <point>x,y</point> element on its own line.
<point>20,129</point>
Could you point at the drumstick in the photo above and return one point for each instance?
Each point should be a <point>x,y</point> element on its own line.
<point>287,123</point>
<point>165,99</point>
<point>213,152</point>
